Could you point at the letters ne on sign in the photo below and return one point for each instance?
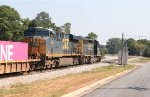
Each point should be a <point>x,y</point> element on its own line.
<point>6,52</point>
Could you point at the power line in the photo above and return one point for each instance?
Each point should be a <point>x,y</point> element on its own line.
<point>140,37</point>
<point>131,36</point>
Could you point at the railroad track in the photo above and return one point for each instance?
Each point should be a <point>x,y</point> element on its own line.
<point>53,69</point>
<point>9,81</point>
<point>8,75</point>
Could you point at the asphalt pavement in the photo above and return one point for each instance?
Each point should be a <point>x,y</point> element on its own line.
<point>134,84</point>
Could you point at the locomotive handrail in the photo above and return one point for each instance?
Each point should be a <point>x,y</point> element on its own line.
<point>13,61</point>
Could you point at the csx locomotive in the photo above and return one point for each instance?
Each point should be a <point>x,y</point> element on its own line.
<point>51,48</point>
<point>42,48</point>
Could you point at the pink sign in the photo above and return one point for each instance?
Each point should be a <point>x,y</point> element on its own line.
<point>13,50</point>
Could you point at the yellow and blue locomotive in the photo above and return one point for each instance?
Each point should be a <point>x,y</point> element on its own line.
<point>55,48</point>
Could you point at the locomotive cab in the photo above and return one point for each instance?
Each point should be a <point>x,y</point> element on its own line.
<point>36,38</point>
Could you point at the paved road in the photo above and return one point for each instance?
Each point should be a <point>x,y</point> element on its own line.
<point>135,84</point>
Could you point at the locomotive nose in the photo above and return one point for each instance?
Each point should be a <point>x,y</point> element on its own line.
<point>36,46</point>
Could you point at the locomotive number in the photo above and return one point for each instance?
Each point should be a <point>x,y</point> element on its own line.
<point>65,43</point>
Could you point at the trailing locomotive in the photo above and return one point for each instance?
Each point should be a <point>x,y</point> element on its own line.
<point>48,49</point>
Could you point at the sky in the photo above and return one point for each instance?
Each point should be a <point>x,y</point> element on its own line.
<point>107,18</point>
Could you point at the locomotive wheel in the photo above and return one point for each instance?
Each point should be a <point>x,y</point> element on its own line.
<point>56,62</point>
<point>32,67</point>
<point>75,61</point>
<point>81,61</point>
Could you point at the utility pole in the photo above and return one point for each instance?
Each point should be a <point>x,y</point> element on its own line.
<point>123,53</point>
<point>126,52</point>
<point>122,49</point>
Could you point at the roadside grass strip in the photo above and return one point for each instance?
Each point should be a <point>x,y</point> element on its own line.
<point>62,85</point>
<point>140,60</point>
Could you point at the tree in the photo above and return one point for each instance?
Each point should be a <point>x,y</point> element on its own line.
<point>33,23</point>
<point>146,52</point>
<point>114,45</point>
<point>144,41</point>
<point>57,29</point>
<point>42,20</point>
<point>139,48</point>
<point>10,24</point>
<point>131,45</point>
<point>66,28</point>
<point>26,23</point>
<point>103,51</point>
<point>92,35</point>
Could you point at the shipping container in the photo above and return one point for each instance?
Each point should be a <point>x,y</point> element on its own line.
<point>13,51</point>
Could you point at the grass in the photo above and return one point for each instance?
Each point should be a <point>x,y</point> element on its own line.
<point>140,60</point>
<point>62,85</point>
<point>19,88</point>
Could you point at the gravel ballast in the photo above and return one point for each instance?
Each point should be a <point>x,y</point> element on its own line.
<point>8,82</point>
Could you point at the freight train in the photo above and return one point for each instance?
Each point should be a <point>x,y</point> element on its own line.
<point>43,48</point>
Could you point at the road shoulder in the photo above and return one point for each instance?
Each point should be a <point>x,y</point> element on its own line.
<point>93,86</point>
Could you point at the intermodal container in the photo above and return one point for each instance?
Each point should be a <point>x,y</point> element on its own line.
<point>13,51</point>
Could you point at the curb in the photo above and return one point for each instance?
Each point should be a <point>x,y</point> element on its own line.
<point>87,89</point>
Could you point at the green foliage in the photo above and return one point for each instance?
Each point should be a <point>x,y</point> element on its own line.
<point>103,51</point>
<point>146,52</point>
<point>33,24</point>
<point>19,88</point>
<point>92,35</point>
<point>139,48</point>
<point>57,29</point>
<point>42,20</point>
<point>26,23</point>
<point>136,47</point>
<point>66,27</point>
<point>131,45</point>
<point>144,41</point>
<point>114,45</point>
<point>10,24</point>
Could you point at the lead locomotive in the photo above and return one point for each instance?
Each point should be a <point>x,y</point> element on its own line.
<point>51,47</point>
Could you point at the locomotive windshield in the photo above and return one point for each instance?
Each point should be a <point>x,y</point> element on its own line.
<point>36,32</point>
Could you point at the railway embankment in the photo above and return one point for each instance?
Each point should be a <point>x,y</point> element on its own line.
<point>7,82</point>
<point>56,84</point>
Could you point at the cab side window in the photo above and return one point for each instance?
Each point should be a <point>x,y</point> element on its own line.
<point>51,35</point>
